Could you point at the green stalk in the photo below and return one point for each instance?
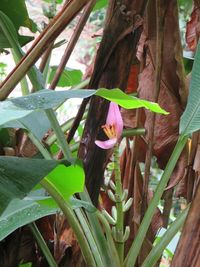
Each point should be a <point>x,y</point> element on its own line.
<point>42,244</point>
<point>8,30</point>
<point>59,134</point>
<point>81,85</point>
<point>23,82</point>
<point>157,251</point>
<point>112,249</point>
<point>133,132</point>
<point>98,233</point>
<point>65,127</point>
<point>71,218</point>
<point>119,206</point>
<point>67,211</point>
<point>16,50</point>
<point>137,244</point>
<point>40,146</point>
<point>91,239</point>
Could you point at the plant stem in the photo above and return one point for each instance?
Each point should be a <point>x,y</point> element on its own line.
<point>91,239</point>
<point>40,146</point>
<point>65,127</point>
<point>67,211</point>
<point>42,244</point>
<point>137,244</point>
<point>156,251</point>
<point>133,132</point>
<point>23,82</point>
<point>119,206</point>
<point>98,233</point>
<point>81,85</point>
<point>112,248</point>
<point>59,134</point>
<point>71,218</point>
<point>55,27</point>
<point>72,43</point>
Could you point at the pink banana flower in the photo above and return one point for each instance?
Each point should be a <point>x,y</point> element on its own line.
<point>113,127</point>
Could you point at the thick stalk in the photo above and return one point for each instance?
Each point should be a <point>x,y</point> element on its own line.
<point>119,206</point>
<point>59,134</point>
<point>42,244</point>
<point>157,251</point>
<point>40,146</point>
<point>112,248</point>
<point>65,127</point>
<point>91,239</point>
<point>71,218</point>
<point>103,242</point>
<point>136,246</point>
<point>67,211</point>
<point>133,132</point>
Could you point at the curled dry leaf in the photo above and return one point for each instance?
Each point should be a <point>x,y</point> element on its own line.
<point>166,129</point>
<point>193,29</point>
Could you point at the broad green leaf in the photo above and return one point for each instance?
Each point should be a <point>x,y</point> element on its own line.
<point>69,77</point>
<point>17,108</point>
<point>67,180</point>
<point>127,101</point>
<point>158,249</point>
<point>21,212</point>
<point>48,99</point>
<point>12,23</point>
<point>18,13</point>
<point>37,123</point>
<point>190,120</point>
<point>9,112</point>
<point>19,175</point>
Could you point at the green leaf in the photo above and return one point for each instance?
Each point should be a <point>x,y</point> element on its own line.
<point>127,101</point>
<point>11,36</point>
<point>29,264</point>
<point>67,180</point>
<point>46,99</point>
<point>4,137</point>
<point>9,112</point>
<point>69,77</point>
<point>19,175</point>
<point>100,4</point>
<point>190,120</point>
<point>37,123</point>
<point>17,108</point>
<point>18,14</point>
<point>13,19</point>
<point>21,212</point>
<point>158,249</point>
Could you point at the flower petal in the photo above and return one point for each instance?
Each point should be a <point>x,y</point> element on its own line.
<point>106,144</point>
<point>114,117</point>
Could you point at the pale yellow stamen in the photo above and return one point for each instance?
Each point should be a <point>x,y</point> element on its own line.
<point>109,130</point>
